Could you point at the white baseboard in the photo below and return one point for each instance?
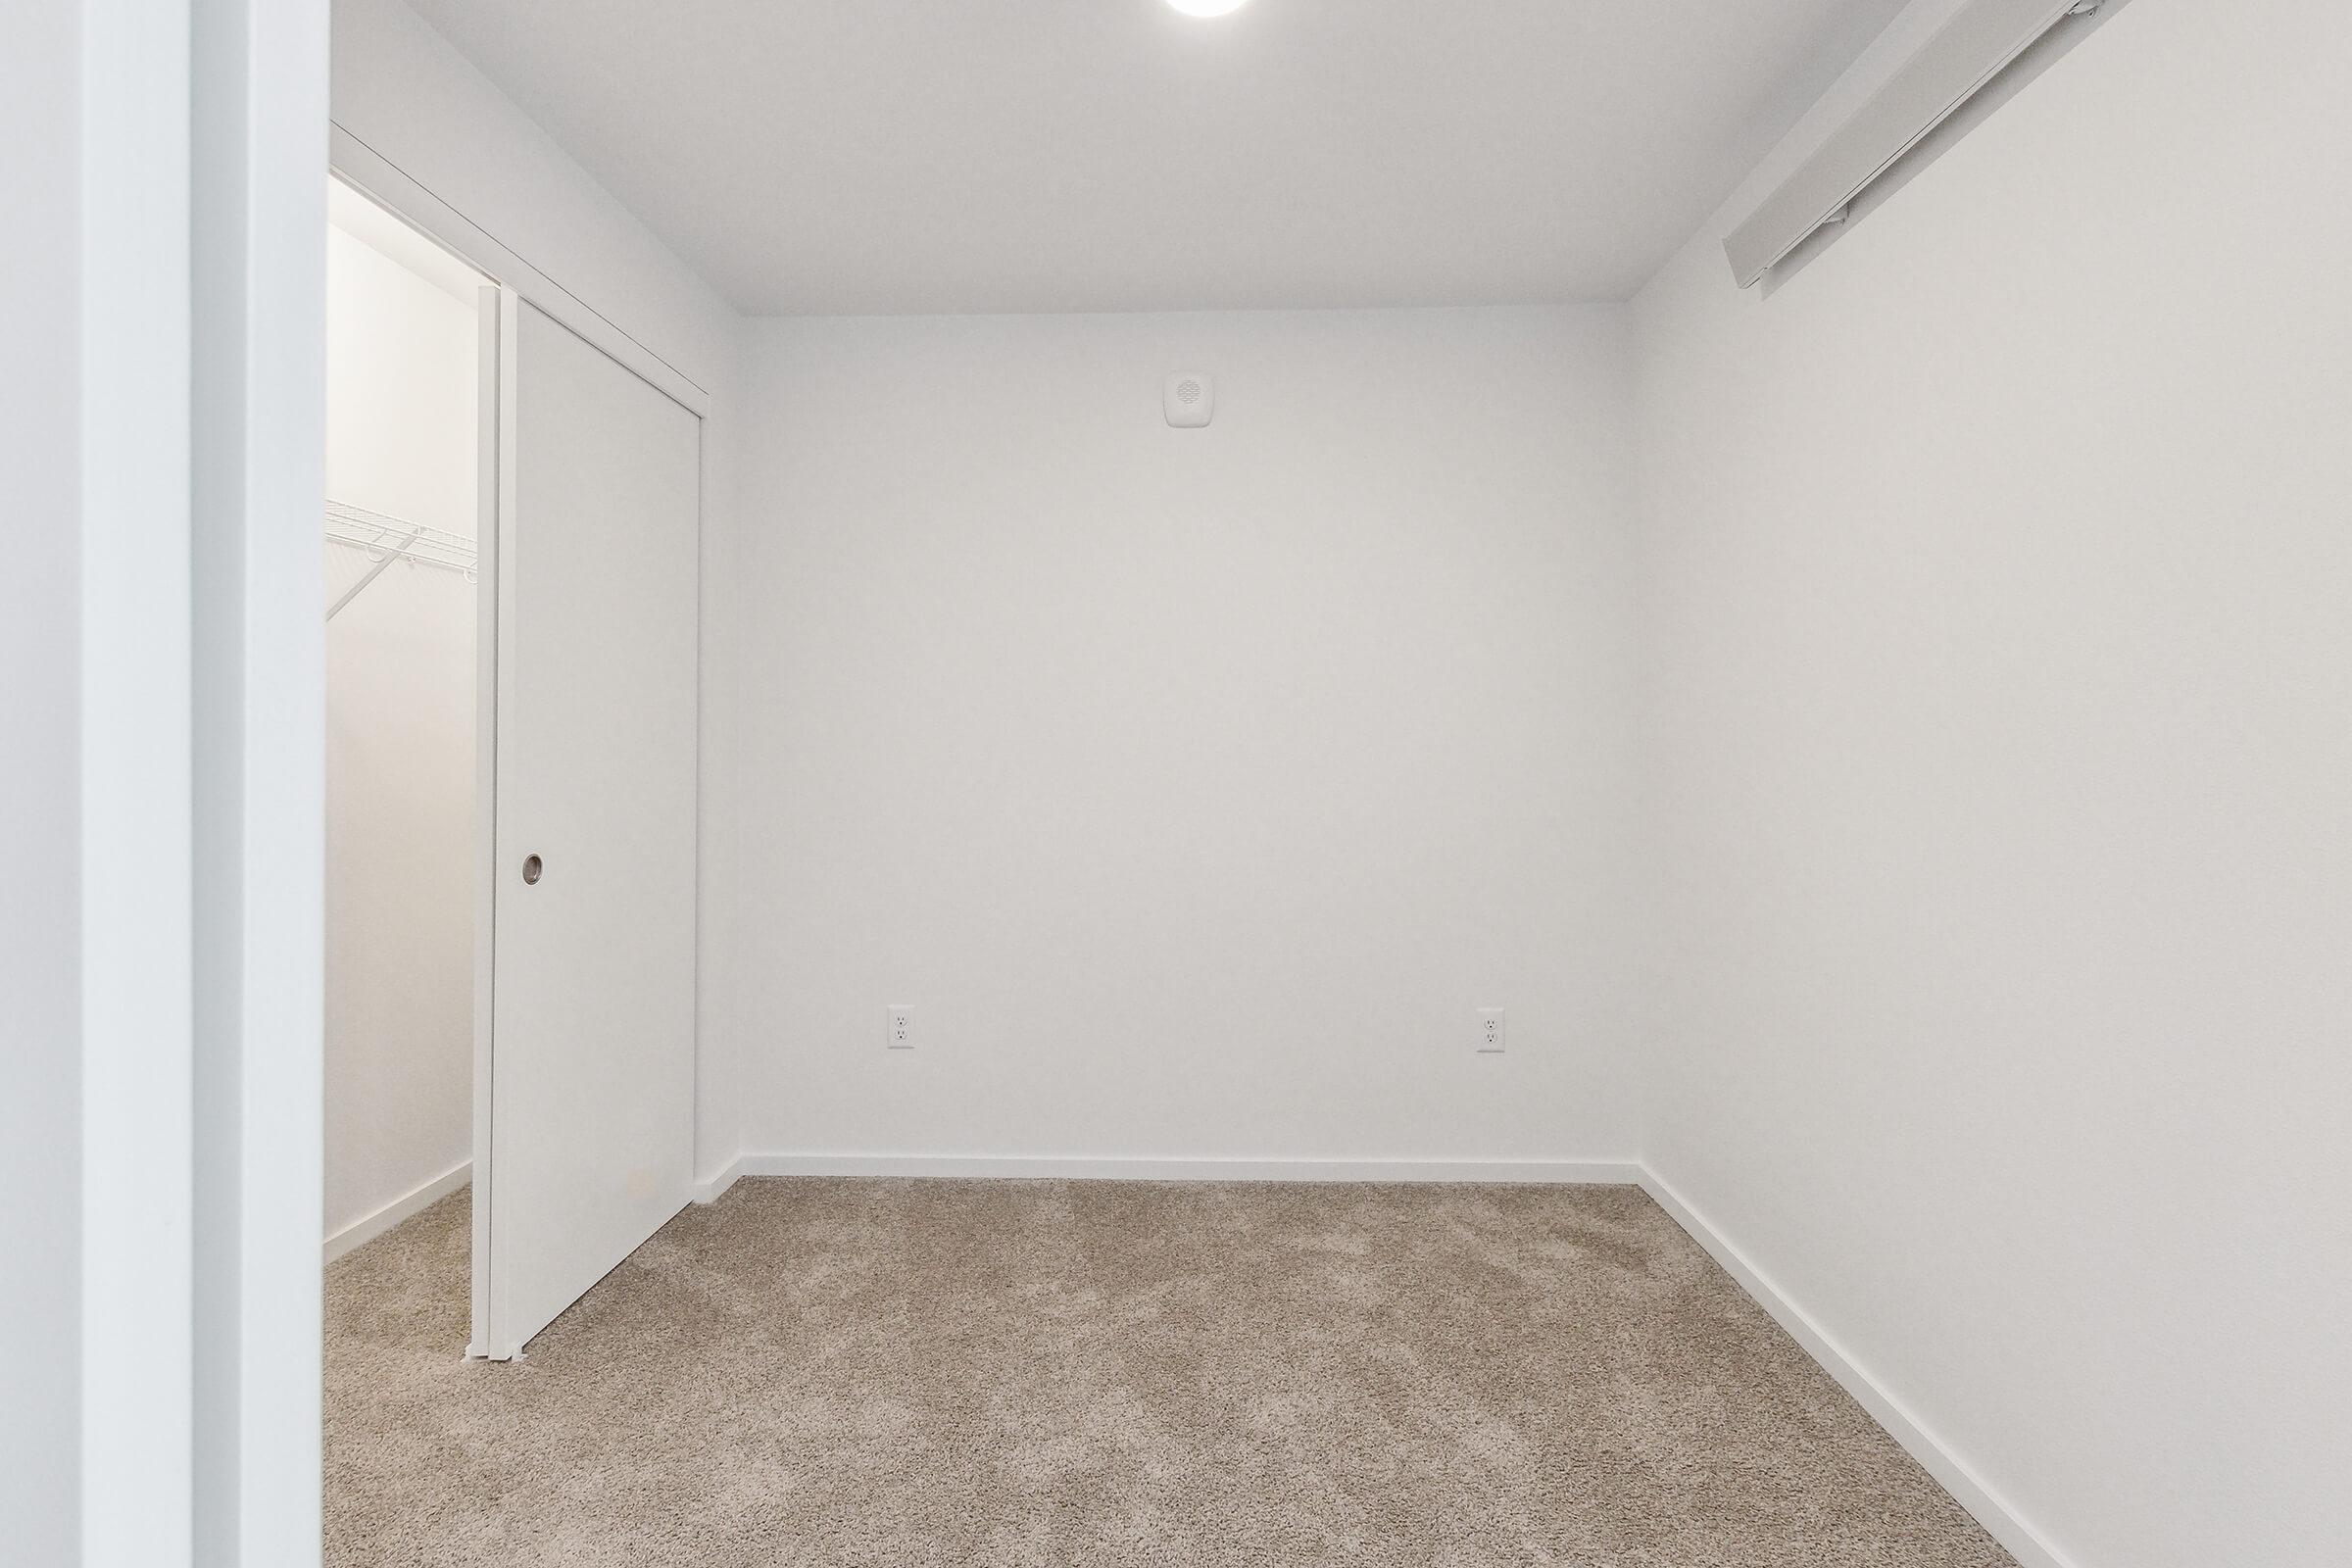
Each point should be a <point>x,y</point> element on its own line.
<point>1614,1172</point>
<point>2028,1545</point>
<point>709,1192</point>
<point>367,1228</point>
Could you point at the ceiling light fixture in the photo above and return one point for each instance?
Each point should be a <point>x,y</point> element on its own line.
<point>1209,7</point>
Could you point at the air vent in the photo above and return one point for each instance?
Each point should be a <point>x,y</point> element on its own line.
<point>1981,41</point>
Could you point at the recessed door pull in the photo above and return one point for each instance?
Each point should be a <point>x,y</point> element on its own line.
<point>530,869</point>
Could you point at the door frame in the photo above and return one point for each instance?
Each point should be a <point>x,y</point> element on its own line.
<point>513,283</point>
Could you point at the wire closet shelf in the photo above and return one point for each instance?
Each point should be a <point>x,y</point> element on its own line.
<point>385,537</point>
<point>388,541</point>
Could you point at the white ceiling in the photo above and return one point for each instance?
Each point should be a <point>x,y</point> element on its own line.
<point>903,155</point>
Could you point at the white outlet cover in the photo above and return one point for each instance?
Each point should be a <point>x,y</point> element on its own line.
<point>1190,398</point>
<point>898,1028</point>
<point>1490,1035</point>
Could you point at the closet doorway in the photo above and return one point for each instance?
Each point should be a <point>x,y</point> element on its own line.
<point>513,526</point>
<point>404,494</point>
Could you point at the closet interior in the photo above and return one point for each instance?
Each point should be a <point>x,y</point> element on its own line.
<point>403,472</point>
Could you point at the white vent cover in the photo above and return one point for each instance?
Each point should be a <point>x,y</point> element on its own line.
<point>1189,399</point>
<point>1974,46</point>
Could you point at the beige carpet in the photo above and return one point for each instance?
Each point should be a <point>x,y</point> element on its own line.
<point>1092,1375</point>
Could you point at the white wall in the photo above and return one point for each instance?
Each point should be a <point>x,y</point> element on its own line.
<point>1193,785</point>
<point>1998,684</point>
<point>402,438</point>
<point>404,91</point>
<point>402,431</point>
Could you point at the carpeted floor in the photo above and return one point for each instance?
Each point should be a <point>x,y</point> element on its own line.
<point>1094,1375</point>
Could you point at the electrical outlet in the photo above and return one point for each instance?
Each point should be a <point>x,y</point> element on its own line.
<point>1489,1031</point>
<point>899,1028</point>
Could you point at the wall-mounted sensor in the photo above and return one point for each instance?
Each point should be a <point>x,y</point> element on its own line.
<point>1190,398</point>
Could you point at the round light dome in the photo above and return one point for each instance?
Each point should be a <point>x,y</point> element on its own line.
<point>1207,8</point>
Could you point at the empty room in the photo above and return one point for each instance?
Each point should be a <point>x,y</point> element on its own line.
<point>1177,784</point>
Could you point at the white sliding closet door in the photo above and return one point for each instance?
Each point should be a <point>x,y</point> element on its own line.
<point>588,1145</point>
